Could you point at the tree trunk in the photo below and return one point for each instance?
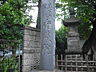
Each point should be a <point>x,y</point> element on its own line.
<point>39,15</point>
<point>13,51</point>
<point>91,41</point>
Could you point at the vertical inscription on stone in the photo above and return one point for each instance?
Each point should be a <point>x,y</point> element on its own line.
<point>48,34</point>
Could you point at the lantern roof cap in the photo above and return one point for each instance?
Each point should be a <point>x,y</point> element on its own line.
<point>72,20</point>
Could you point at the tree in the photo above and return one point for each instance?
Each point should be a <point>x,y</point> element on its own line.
<point>12,16</point>
<point>86,10</point>
<point>39,15</point>
<point>61,40</point>
<point>12,19</point>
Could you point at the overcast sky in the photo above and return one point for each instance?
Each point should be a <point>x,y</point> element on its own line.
<point>34,13</point>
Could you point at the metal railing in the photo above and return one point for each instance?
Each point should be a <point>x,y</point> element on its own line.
<point>74,63</point>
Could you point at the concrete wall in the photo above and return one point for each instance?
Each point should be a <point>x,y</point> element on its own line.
<point>32,48</point>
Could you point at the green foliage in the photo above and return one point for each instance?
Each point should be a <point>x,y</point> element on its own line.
<point>12,16</point>
<point>8,63</point>
<point>83,11</point>
<point>61,39</point>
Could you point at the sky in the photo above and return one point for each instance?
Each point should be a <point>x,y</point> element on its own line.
<point>34,13</point>
<point>57,24</point>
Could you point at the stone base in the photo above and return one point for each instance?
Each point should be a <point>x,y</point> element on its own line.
<point>46,71</point>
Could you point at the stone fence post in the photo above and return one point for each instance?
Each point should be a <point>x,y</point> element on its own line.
<point>32,49</point>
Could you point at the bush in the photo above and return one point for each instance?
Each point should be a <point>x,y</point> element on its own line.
<point>9,65</point>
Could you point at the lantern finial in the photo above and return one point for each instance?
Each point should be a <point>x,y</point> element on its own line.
<point>72,12</point>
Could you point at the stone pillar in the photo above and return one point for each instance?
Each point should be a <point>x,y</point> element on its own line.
<point>32,49</point>
<point>47,61</point>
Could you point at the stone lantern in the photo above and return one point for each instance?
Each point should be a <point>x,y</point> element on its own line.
<point>73,35</point>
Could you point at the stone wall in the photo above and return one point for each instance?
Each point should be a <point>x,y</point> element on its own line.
<point>32,48</point>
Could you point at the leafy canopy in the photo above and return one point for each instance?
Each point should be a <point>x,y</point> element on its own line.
<point>12,17</point>
<point>83,10</point>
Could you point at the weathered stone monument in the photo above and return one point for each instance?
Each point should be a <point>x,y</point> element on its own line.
<point>73,49</point>
<point>39,45</point>
<point>73,35</point>
<point>47,61</point>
